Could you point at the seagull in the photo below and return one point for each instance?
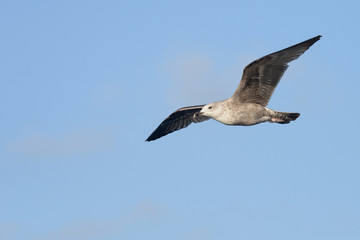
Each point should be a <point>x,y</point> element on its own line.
<point>247,106</point>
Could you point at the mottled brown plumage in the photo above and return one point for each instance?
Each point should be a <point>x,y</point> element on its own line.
<point>261,77</point>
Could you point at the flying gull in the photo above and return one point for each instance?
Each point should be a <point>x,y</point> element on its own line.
<point>248,104</point>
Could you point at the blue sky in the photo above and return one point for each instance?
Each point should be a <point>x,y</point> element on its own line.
<point>85,82</point>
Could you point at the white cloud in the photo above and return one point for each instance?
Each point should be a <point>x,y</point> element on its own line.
<point>195,78</point>
<point>188,75</point>
<point>199,234</point>
<point>43,145</point>
<point>145,212</point>
<point>139,216</point>
<point>8,231</point>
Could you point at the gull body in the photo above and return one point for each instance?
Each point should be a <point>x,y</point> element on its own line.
<point>245,114</point>
<point>247,106</point>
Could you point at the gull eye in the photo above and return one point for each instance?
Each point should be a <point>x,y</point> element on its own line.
<point>210,107</point>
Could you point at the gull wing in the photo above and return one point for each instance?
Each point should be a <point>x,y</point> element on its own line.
<point>179,119</point>
<point>261,77</point>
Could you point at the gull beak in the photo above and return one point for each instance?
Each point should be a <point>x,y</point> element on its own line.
<point>198,114</point>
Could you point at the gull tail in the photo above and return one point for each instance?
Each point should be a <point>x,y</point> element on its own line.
<point>283,117</point>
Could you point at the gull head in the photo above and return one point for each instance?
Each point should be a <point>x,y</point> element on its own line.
<point>211,110</point>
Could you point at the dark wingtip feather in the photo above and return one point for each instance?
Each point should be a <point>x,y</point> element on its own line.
<point>158,133</point>
<point>310,41</point>
<point>293,116</point>
<point>179,119</point>
<point>315,39</point>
